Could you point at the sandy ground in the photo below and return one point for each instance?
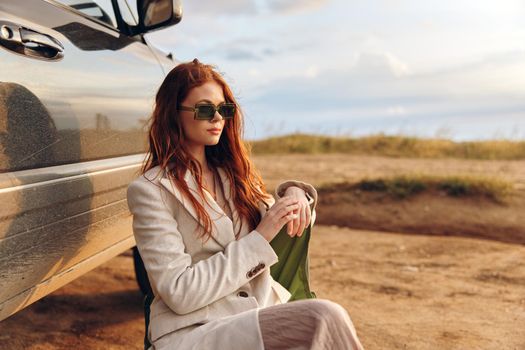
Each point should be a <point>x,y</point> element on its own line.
<point>402,292</point>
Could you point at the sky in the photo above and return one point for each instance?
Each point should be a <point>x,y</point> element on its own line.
<point>453,69</point>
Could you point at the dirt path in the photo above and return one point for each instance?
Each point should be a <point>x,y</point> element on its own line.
<point>402,292</point>
<point>423,292</point>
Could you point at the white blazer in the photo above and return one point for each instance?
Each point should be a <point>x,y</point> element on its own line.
<point>195,282</point>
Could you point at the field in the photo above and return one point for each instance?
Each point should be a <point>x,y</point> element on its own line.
<point>425,271</point>
<point>430,212</point>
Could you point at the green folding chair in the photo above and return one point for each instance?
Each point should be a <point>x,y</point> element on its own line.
<point>291,271</point>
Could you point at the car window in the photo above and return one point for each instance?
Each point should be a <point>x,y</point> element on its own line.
<point>99,9</point>
<point>128,10</point>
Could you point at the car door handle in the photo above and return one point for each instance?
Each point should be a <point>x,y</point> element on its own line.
<point>31,38</point>
<point>29,42</point>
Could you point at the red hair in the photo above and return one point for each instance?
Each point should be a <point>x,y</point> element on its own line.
<point>167,145</point>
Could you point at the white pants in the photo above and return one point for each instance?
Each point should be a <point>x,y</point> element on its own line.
<point>308,324</point>
<point>317,324</point>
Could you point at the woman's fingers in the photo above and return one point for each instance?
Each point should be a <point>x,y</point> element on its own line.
<point>296,216</point>
<point>284,202</point>
<point>277,216</point>
<point>294,224</point>
<point>308,217</point>
<point>303,220</point>
<point>288,205</point>
<point>300,222</point>
<point>285,209</point>
<point>289,228</point>
<point>286,219</point>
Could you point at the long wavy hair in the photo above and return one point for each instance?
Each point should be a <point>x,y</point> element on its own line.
<point>167,146</point>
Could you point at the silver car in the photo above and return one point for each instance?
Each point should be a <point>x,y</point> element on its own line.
<point>77,84</point>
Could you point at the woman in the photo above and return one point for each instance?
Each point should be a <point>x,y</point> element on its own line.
<point>202,220</point>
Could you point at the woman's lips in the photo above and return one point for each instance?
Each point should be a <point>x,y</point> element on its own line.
<point>215,131</point>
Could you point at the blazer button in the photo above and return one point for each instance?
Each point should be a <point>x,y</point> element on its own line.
<point>249,274</point>
<point>242,294</point>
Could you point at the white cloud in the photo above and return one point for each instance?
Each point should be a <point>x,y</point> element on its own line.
<point>250,7</point>
<point>294,6</point>
<point>396,110</point>
<point>214,7</point>
<point>254,72</point>
<point>311,72</point>
<point>377,95</point>
<point>374,64</point>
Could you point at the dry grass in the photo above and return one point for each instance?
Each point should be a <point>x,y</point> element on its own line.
<point>391,146</point>
<point>404,186</point>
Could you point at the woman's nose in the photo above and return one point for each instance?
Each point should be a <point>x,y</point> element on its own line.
<point>217,114</point>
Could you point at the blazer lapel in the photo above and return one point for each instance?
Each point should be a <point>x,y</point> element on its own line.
<point>222,227</point>
<point>226,185</point>
<point>235,214</point>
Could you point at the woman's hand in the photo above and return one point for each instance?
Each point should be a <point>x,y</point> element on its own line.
<point>281,212</point>
<point>302,220</point>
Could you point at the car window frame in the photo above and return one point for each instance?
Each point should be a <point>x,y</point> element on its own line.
<point>93,19</point>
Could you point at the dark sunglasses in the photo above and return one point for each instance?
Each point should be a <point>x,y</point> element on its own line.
<point>206,111</point>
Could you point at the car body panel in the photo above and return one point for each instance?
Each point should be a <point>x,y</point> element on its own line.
<point>72,137</point>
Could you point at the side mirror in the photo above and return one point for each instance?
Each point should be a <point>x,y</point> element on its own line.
<point>157,14</point>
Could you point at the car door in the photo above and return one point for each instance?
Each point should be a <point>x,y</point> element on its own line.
<point>75,94</point>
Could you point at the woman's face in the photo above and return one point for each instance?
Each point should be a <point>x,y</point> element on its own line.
<point>197,131</point>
